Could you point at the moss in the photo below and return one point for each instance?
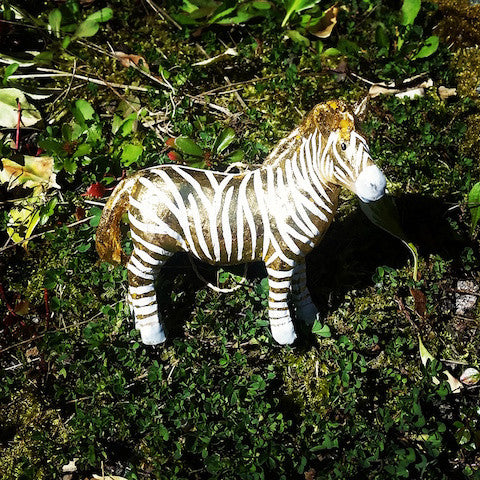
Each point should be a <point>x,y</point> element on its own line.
<point>305,381</point>
<point>460,24</point>
<point>31,426</point>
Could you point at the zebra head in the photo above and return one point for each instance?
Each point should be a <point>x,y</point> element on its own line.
<point>344,157</point>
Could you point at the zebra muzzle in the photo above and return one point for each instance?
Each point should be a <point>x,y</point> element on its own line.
<point>370,184</point>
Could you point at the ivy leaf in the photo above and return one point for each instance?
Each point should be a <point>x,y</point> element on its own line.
<point>474,205</point>
<point>409,11</point>
<point>430,46</point>
<point>225,138</point>
<point>188,146</point>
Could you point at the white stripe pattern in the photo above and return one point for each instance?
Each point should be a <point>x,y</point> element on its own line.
<point>276,213</point>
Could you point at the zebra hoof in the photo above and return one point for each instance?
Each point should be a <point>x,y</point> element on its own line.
<point>152,334</point>
<point>284,334</point>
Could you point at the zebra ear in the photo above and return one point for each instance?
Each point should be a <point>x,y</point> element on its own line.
<point>360,108</point>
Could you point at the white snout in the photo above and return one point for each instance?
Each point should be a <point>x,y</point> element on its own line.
<point>370,184</point>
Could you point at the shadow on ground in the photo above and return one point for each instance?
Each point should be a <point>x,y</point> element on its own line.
<point>346,259</point>
<point>354,248</point>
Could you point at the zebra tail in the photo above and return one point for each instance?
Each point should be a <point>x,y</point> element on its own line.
<point>108,236</point>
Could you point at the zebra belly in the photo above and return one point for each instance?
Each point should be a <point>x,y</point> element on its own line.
<point>219,226</point>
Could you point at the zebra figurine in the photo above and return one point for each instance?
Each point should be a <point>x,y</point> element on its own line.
<point>276,213</point>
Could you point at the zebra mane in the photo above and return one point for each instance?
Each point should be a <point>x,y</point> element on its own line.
<point>324,118</point>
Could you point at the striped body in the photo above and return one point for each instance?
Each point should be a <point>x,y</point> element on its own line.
<point>276,213</point>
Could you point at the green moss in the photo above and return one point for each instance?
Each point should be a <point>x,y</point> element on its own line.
<point>460,24</point>
<point>305,381</point>
<point>31,426</point>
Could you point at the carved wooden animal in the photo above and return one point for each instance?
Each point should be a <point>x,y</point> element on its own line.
<point>277,213</point>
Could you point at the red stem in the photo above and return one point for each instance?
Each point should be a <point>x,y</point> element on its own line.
<point>19,108</point>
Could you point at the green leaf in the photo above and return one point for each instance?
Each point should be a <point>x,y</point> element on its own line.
<point>9,109</point>
<point>43,58</point>
<point>381,37</point>
<point>103,15</point>
<point>297,37</point>
<point>55,20</point>
<point>96,213</point>
<point>188,146</point>
<point>91,24</point>
<point>87,28</point>
<point>474,205</point>
<point>236,156</point>
<point>128,124</point>
<point>83,111</point>
<point>10,70</point>
<point>262,5</point>
<point>130,153</point>
<point>83,149</point>
<point>70,165</point>
<point>221,13</point>
<point>225,138</point>
<point>82,248</point>
<point>409,11</point>
<point>430,46</point>
<point>332,52</point>
<point>47,210</point>
<point>414,253</point>
<point>321,330</point>
<point>200,164</point>
<point>295,6</point>
<point>66,42</point>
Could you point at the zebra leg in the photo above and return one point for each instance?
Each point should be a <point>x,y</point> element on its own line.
<point>305,309</point>
<point>142,269</point>
<point>279,277</point>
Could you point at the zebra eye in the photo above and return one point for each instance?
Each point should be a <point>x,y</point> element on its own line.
<point>343,146</point>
